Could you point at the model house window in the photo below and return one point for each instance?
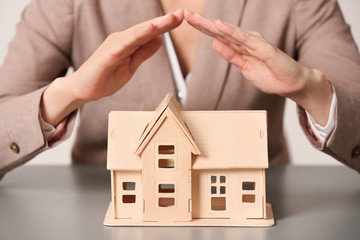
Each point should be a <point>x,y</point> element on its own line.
<point>248,198</point>
<point>166,163</point>
<point>218,192</point>
<point>218,203</point>
<point>222,179</point>
<point>166,149</point>
<point>128,192</point>
<point>166,202</point>
<point>129,198</point>
<point>128,185</point>
<point>166,188</point>
<point>166,195</point>
<point>213,189</point>
<point>248,195</point>
<point>248,185</point>
<point>166,155</point>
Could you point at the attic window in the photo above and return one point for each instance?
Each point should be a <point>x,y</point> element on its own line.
<point>166,149</point>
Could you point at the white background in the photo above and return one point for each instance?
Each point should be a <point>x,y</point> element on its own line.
<point>301,151</point>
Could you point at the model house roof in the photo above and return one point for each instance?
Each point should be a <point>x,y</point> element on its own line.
<point>222,139</point>
<point>171,106</point>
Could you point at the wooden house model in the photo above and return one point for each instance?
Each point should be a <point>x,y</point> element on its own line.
<point>173,167</point>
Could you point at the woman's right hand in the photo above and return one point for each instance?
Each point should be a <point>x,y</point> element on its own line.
<point>108,69</point>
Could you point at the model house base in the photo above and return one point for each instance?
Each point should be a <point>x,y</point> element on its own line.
<point>111,221</point>
<point>173,167</point>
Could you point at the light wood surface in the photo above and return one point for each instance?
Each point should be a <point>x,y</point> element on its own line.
<point>207,196</point>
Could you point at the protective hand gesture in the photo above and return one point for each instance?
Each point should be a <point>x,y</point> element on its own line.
<point>118,57</point>
<point>109,68</point>
<point>266,66</point>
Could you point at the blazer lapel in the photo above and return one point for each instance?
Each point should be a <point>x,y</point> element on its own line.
<point>210,71</point>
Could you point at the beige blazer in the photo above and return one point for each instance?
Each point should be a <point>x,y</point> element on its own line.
<point>56,34</point>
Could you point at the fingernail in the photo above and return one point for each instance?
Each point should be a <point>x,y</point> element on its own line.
<point>178,11</point>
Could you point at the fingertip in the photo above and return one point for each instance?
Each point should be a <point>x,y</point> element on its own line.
<point>179,14</point>
<point>188,15</point>
<point>168,17</point>
<point>174,17</point>
<point>219,21</point>
<point>180,10</point>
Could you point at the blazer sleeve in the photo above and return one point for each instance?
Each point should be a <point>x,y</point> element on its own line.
<point>324,42</point>
<point>39,53</point>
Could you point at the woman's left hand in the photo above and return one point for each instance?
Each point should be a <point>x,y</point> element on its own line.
<point>267,67</point>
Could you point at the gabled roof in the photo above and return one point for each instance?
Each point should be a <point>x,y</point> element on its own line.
<point>227,139</point>
<point>172,107</point>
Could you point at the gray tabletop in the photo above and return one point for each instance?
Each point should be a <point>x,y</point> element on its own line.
<point>70,203</point>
